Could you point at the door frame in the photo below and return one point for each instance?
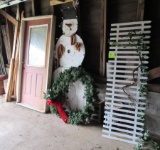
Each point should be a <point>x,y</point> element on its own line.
<point>49,57</point>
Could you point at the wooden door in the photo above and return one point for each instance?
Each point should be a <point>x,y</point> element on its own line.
<point>35,63</point>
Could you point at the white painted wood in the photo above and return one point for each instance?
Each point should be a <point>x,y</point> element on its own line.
<point>130,28</point>
<point>13,2</point>
<point>131,23</point>
<point>126,38</point>
<point>71,56</point>
<point>70,26</point>
<point>122,130</point>
<point>126,33</point>
<point>121,119</point>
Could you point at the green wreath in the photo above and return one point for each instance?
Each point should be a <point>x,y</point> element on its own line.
<point>56,92</point>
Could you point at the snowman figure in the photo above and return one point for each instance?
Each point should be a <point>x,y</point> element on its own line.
<point>70,52</point>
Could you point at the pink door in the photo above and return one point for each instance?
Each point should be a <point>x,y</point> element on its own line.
<point>34,70</point>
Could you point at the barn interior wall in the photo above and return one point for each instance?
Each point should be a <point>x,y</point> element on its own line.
<point>90,14</point>
<point>152,12</point>
<point>90,21</point>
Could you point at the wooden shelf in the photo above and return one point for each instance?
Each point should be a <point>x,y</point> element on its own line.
<point>57,2</point>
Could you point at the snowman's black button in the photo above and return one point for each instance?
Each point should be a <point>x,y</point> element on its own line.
<point>68,51</point>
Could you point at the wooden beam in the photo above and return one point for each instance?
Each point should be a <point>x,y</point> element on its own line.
<point>153,88</point>
<point>57,2</point>
<point>154,73</point>
<point>10,18</point>
<point>140,10</point>
<point>103,39</point>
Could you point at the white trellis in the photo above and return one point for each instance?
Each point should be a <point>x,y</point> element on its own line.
<point>121,118</point>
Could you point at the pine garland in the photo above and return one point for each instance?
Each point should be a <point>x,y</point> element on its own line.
<point>62,82</point>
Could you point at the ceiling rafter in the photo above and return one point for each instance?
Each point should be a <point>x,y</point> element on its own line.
<point>6,3</point>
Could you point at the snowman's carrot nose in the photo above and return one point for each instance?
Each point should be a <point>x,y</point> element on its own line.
<point>69,25</point>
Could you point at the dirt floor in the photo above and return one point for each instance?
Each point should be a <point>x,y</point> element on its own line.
<point>25,129</point>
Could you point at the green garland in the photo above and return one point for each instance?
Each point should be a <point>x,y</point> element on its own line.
<point>62,83</point>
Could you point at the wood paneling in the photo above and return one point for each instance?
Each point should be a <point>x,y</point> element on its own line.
<point>152,12</point>
<point>90,13</point>
<point>92,22</point>
<point>123,10</point>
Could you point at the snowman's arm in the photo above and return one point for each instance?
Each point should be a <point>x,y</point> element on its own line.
<point>77,46</point>
<point>61,50</point>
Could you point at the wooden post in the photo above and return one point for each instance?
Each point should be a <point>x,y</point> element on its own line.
<point>103,39</point>
<point>33,7</point>
<point>140,10</point>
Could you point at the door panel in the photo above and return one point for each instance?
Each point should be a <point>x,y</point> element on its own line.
<point>34,72</point>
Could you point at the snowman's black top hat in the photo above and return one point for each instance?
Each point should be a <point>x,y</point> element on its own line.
<point>69,13</point>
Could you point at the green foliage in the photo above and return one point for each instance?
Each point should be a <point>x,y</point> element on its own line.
<point>54,110</point>
<point>61,84</point>
<point>147,142</point>
<point>142,90</point>
<point>75,117</point>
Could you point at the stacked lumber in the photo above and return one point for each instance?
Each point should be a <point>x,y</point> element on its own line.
<point>12,55</point>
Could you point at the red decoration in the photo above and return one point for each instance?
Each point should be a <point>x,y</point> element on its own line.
<point>59,107</point>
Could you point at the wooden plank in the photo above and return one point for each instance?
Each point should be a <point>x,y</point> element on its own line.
<point>11,74</point>
<point>154,73</point>
<point>14,78</point>
<point>103,38</point>
<point>153,88</point>
<point>57,2</point>
<point>10,18</point>
<point>22,33</point>
<point>140,10</point>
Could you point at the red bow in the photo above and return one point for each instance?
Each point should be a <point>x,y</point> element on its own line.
<point>59,107</point>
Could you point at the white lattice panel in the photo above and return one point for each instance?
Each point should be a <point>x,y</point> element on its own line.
<point>122,119</point>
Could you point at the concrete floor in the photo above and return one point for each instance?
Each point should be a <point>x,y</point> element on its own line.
<point>25,129</point>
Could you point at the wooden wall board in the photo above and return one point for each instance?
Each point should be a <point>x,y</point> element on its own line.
<point>152,12</point>
<point>103,37</point>
<point>90,16</point>
<point>122,10</point>
<point>140,10</point>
